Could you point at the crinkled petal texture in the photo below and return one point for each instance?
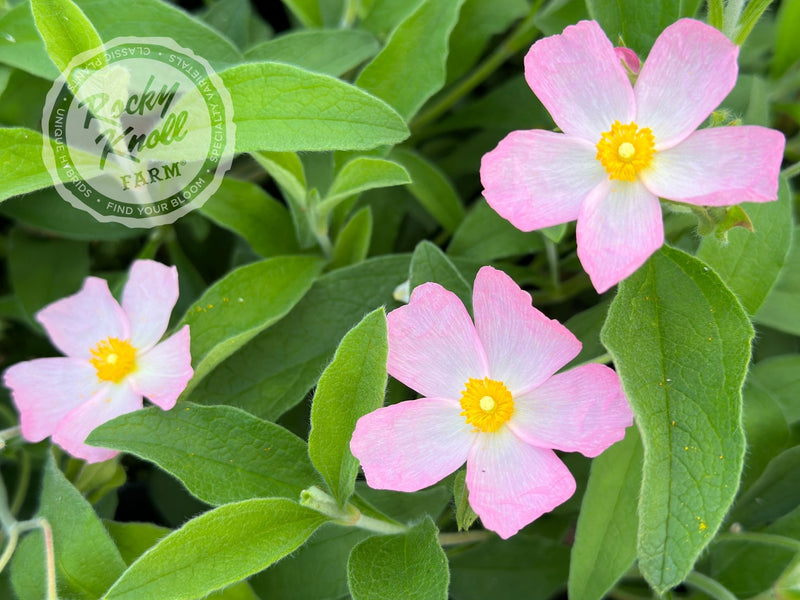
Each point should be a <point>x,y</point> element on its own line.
<point>538,178</point>
<point>522,345</point>
<point>45,390</point>
<point>580,81</point>
<point>433,346</point>
<point>148,299</point>
<point>163,372</point>
<point>720,166</point>
<point>690,69</point>
<point>77,323</point>
<point>619,227</point>
<point>109,402</point>
<point>411,445</point>
<point>512,483</point>
<point>582,410</point>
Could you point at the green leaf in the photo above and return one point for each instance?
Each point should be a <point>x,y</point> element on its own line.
<point>681,345</point>
<point>49,213</point>
<point>21,167</point>
<point>429,263</point>
<point>385,15</point>
<point>554,233</point>
<point>586,326</point>
<point>361,174</point>
<point>279,107</point>
<point>231,18</point>
<point>486,236</point>
<point>408,566</point>
<point>350,387</point>
<point>134,539</point>
<point>433,190</point>
<point>21,46</point>
<point>352,243</point>
<point>329,51</point>
<point>773,495</point>
<point>778,377</point>
<point>787,43</point>
<point>65,29</point>
<point>465,516</point>
<point>306,11</point>
<point>605,538</point>
<point>276,370</point>
<point>749,263</point>
<point>220,453</point>
<point>247,210</point>
<point>530,567</point>
<point>44,270</point>
<point>638,23</point>
<point>216,549</point>
<point>778,310</point>
<point>87,562</point>
<point>766,430</point>
<point>324,555</point>
<point>411,66</point>
<point>241,305</point>
<point>478,22</point>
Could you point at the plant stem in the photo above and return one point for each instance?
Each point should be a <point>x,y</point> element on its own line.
<point>467,537</point>
<point>760,538</point>
<point>7,434</point>
<point>348,515</point>
<point>50,558</point>
<point>791,171</point>
<point>522,35</point>
<point>709,586</point>
<point>23,481</point>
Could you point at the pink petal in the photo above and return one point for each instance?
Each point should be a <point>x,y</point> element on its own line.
<point>580,80</point>
<point>511,483</point>
<point>163,372</point>
<point>433,346</point>
<point>411,445</point>
<point>618,229</point>
<point>690,70</point>
<point>45,390</point>
<point>523,346</point>
<point>77,323</point>
<point>582,410</point>
<point>111,402</point>
<point>538,178</point>
<point>148,299</point>
<point>628,58</point>
<point>720,166</point>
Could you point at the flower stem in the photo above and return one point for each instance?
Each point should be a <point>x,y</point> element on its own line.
<point>50,558</point>
<point>467,537</point>
<point>791,171</point>
<point>760,538</point>
<point>348,515</point>
<point>7,434</point>
<point>522,35</point>
<point>709,586</point>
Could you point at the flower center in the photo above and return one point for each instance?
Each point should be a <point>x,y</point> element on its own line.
<point>626,150</point>
<point>486,403</point>
<point>114,359</point>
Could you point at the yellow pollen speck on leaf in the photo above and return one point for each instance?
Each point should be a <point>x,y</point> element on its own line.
<point>625,150</point>
<point>486,404</point>
<point>114,359</point>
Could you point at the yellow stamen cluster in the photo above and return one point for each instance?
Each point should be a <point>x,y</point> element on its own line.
<point>114,359</point>
<point>486,404</point>
<point>626,150</point>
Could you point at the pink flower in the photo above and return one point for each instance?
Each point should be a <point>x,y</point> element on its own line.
<point>491,399</point>
<point>113,358</point>
<point>623,147</point>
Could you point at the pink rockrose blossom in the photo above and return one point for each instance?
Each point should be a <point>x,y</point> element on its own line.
<point>491,399</point>
<point>113,358</point>
<point>623,147</point>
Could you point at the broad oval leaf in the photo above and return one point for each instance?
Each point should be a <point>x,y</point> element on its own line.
<point>220,453</point>
<point>350,387</point>
<point>681,345</point>
<point>361,174</point>
<point>241,305</point>
<point>216,549</point>
<point>279,107</point>
<point>429,263</point>
<point>407,566</point>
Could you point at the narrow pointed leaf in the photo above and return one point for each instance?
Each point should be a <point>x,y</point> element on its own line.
<point>681,345</point>
<point>65,29</point>
<point>216,549</point>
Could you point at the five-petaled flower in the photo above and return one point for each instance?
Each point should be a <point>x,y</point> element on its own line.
<point>491,399</point>
<point>623,147</point>
<point>113,358</point>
